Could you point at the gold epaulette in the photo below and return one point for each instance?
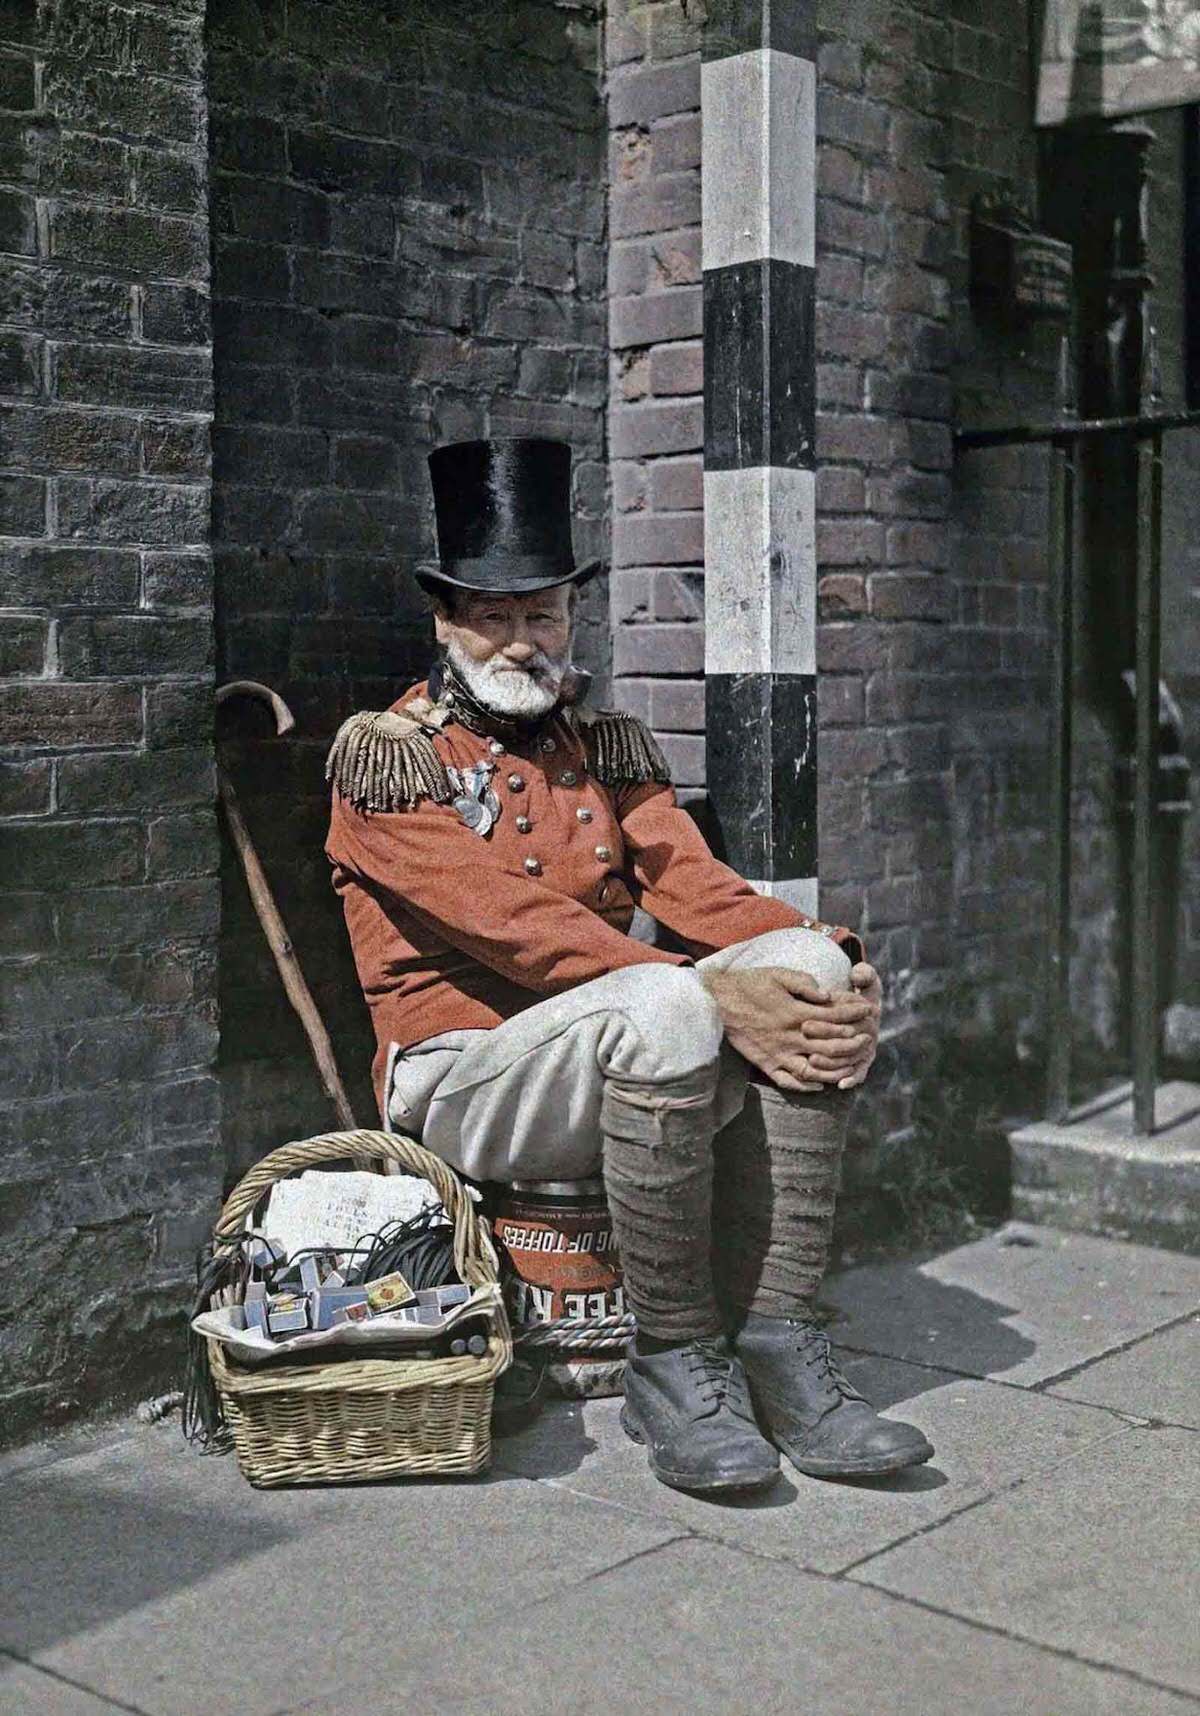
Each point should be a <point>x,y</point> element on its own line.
<point>385,760</point>
<point>620,749</point>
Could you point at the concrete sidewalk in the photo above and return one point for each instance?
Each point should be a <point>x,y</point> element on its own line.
<point>1045,1561</point>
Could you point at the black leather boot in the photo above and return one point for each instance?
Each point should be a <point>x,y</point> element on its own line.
<point>810,1411</point>
<point>691,1408</point>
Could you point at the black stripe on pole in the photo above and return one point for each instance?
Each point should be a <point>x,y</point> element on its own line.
<point>761,772</point>
<point>738,26</point>
<point>760,399</point>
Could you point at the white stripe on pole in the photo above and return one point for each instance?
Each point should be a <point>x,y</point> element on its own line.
<point>758,178</point>
<point>760,552</point>
<point>799,892</point>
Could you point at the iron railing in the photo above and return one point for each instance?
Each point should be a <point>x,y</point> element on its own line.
<point>1066,436</point>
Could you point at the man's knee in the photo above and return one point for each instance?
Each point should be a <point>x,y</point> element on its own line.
<point>800,950</point>
<point>671,1000</point>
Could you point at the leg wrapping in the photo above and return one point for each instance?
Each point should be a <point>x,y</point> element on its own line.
<point>658,1172</point>
<point>777,1171</point>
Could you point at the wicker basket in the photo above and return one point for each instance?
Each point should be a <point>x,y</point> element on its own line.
<point>352,1420</point>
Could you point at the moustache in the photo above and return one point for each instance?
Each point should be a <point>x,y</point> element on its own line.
<point>537,667</point>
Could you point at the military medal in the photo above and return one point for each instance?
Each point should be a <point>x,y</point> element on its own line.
<point>473,813</point>
<point>476,803</point>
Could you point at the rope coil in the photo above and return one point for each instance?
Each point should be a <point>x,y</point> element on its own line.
<point>575,1334</point>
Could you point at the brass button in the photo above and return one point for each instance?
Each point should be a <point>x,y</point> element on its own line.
<point>603,853</point>
<point>516,783</point>
<point>533,866</point>
<point>584,814</point>
<point>523,825</point>
<point>495,747</point>
<point>547,744</point>
<point>568,777</point>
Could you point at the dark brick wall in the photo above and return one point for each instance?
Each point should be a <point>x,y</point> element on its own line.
<point>408,225</point>
<point>108,1161</point>
<point>932,595</point>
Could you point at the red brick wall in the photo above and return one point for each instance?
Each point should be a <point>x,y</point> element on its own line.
<point>655,411</point>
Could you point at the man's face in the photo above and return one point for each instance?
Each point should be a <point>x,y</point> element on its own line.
<point>512,651</point>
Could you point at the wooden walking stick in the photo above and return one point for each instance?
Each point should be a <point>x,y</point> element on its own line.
<point>274,928</point>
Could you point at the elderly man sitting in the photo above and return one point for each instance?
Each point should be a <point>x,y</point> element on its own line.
<point>490,838</point>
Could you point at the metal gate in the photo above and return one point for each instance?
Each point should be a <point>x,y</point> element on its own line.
<point>1066,435</point>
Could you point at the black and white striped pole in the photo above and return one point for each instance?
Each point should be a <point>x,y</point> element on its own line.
<point>758,171</point>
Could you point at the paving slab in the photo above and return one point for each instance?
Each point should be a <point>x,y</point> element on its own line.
<point>26,1691</point>
<point>986,1437</point>
<point>698,1629</point>
<point>1096,1557</point>
<point>1023,1304</point>
<point>1157,1378</point>
<point>162,1580</point>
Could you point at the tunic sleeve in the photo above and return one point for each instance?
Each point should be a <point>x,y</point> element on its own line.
<point>705,903</point>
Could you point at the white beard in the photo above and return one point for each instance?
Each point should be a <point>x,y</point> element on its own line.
<point>521,693</point>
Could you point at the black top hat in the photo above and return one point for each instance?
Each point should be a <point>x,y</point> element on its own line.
<point>503,516</point>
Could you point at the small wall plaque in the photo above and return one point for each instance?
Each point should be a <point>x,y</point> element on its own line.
<point>1016,271</point>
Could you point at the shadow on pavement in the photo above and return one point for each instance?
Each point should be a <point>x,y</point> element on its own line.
<point>925,1327</point>
<point>916,1480</point>
<point>88,1553</point>
<point>558,1434</point>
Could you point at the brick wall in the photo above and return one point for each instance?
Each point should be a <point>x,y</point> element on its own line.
<point>408,220</point>
<point>933,638</point>
<point>656,424</point>
<point>107,971</point>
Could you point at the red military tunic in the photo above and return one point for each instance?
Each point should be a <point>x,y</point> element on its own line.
<point>451,931</point>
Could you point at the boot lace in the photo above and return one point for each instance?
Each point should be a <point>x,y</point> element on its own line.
<point>812,1344</point>
<point>713,1364</point>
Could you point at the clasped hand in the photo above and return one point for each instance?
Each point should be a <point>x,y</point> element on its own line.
<point>801,1035</point>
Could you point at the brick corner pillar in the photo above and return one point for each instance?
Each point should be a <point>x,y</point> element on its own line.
<point>758,166</point>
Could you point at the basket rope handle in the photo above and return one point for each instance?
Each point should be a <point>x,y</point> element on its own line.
<point>474,1256</point>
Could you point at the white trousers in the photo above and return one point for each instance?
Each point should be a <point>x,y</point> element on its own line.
<point>522,1101</point>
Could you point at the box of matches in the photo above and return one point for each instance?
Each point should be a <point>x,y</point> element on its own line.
<point>326,1302</point>
<point>350,1314</point>
<point>444,1299</point>
<point>389,1292</point>
<point>254,1306</point>
<point>256,1314</point>
<point>262,1252</point>
<point>402,1314</point>
<point>288,1322</point>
